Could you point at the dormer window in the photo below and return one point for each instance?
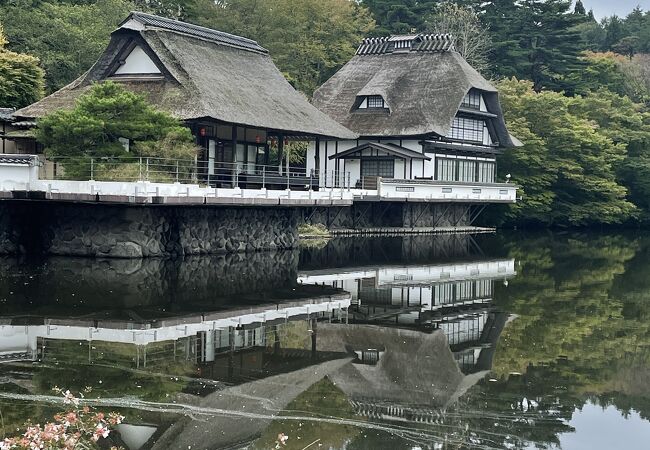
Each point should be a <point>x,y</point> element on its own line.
<point>472,100</point>
<point>372,102</point>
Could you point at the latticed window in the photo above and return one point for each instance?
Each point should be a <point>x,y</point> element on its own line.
<point>446,169</point>
<point>486,172</point>
<point>375,101</point>
<point>472,100</point>
<point>466,170</point>
<point>384,168</point>
<point>466,129</point>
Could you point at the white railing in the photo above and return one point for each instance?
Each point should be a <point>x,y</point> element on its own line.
<point>443,191</point>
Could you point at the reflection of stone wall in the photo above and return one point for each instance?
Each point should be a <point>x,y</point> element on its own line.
<point>372,251</point>
<point>82,285</point>
<point>8,236</point>
<point>390,214</point>
<point>136,231</point>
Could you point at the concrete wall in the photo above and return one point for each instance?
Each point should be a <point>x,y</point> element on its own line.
<point>119,231</point>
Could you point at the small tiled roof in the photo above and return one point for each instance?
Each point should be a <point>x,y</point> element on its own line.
<point>6,114</point>
<point>22,160</point>
<point>392,149</point>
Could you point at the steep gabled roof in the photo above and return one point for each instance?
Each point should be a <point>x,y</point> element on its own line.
<point>204,74</point>
<point>219,37</point>
<point>424,85</point>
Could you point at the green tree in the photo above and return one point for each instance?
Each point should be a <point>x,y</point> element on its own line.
<point>573,155</point>
<point>67,37</point>
<point>21,77</point>
<point>400,16</point>
<point>100,122</point>
<point>308,40</point>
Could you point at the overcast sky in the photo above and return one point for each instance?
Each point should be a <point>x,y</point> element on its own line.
<point>604,8</point>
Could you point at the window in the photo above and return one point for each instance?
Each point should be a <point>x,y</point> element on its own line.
<point>466,170</point>
<point>384,168</point>
<point>446,169</point>
<point>472,100</point>
<point>486,172</point>
<point>375,101</point>
<point>466,129</point>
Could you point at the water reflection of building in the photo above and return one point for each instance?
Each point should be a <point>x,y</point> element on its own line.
<point>455,298</point>
<point>199,338</point>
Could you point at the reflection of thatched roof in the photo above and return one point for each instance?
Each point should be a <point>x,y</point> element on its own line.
<point>206,74</point>
<point>423,89</point>
<point>415,369</point>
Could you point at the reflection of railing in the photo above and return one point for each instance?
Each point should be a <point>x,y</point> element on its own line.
<point>216,174</point>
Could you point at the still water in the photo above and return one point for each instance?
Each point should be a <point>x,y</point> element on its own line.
<point>492,341</point>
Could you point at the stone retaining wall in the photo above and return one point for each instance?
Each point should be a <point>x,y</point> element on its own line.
<point>390,215</point>
<point>142,231</point>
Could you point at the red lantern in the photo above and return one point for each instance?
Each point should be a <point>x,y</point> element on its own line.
<point>258,139</point>
<point>202,131</point>
<point>286,142</point>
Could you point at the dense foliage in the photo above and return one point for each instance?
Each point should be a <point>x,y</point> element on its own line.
<point>21,77</point>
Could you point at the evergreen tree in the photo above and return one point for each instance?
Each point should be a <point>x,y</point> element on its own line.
<point>551,41</point>
<point>399,16</point>
<point>101,118</point>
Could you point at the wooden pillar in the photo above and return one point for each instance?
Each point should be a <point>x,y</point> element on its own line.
<point>280,151</point>
<point>234,154</point>
<point>317,156</point>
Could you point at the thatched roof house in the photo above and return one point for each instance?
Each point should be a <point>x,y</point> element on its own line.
<point>195,72</point>
<point>421,112</point>
<point>423,87</point>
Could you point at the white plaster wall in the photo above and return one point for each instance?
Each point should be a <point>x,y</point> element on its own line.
<point>138,62</point>
<point>18,173</point>
<point>399,169</point>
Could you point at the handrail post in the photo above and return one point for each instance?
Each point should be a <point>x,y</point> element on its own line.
<point>311,174</point>
<point>177,172</point>
<point>349,181</point>
<point>147,169</point>
<point>92,169</point>
<point>140,169</point>
<point>263,177</point>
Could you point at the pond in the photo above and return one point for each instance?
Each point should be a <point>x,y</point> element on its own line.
<point>510,340</point>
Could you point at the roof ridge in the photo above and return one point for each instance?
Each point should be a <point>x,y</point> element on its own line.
<point>220,37</point>
<point>421,42</point>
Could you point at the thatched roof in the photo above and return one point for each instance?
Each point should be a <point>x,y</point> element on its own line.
<point>423,87</point>
<point>204,74</point>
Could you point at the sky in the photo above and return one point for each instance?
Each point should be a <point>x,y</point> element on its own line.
<point>605,8</point>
